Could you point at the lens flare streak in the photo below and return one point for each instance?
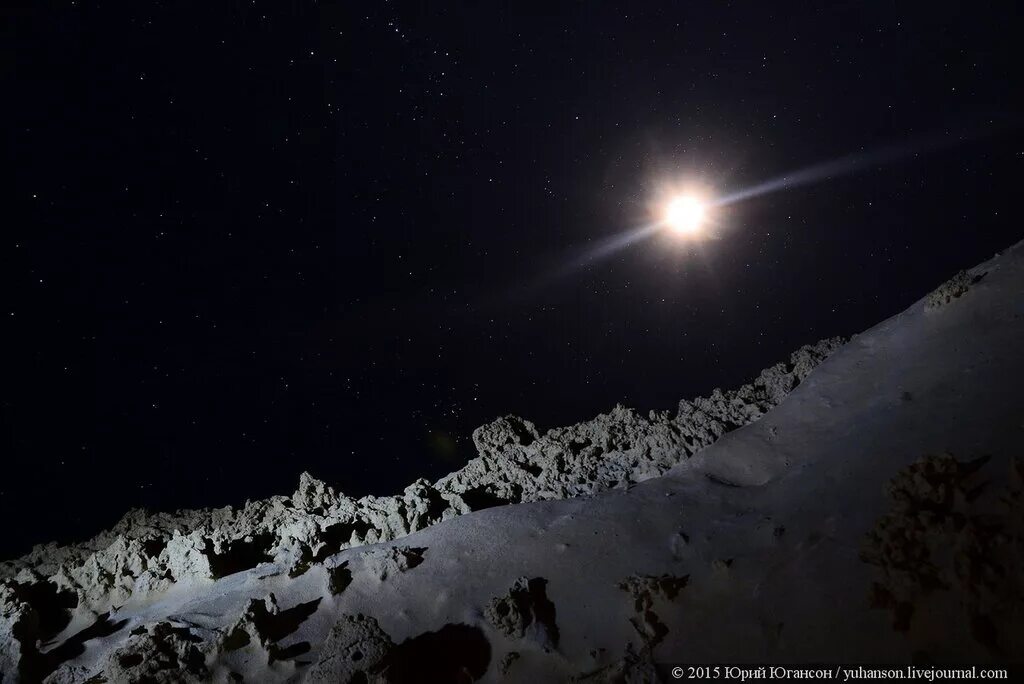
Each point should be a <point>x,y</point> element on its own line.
<point>612,244</point>
<point>686,214</point>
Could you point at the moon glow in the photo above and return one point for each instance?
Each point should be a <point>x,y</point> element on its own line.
<point>685,214</point>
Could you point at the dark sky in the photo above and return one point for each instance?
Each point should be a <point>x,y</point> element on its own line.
<point>246,239</point>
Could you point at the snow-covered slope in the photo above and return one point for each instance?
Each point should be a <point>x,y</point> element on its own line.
<point>846,523</point>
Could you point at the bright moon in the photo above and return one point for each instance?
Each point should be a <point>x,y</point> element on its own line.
<point>685,214</point>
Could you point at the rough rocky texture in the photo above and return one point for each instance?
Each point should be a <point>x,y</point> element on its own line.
<point>52,662</point>
<point>525,611</point>
<point>507,661</point>
<point>949,533</point>
<point>18,622</point>
<point>146,553</point>
<point>263,625</point>
<point>618,448</point>
<point>644,590</point>
<point>158,653</point>
<point>383,563</point>
<point>634,667</point>
<point>754,541</point>
<point>953,288</point>
<point>338,578</point>
<point>354,652</point>
<point>358,651</point>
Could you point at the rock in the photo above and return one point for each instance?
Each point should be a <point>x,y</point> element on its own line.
<point>618,448</point>
<point>507,661</point>
<point>633,668</point>
<point>354,651</point>
<point>186,556</point>
<point>955,287</point>
<point>949,538</point>
<point>31,611</point>
<point>383,563</point>
<point>944,556</point>
<point>18,622</point>
<point>338,578</point>
<point>313,494</point>
<point>496,438</point>
<point>145,553</point>
<point>644,589</point>
<point>525,611</point>
<point>158,653</point>
<point>264,624</point>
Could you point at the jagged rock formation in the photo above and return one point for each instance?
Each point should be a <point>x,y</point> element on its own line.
<point>525,610</point>
<point>507,661</point>
<point>145,553</point>
<point>338,578</point>
<point>619,448</point>
<point>387,562</point>
<point>643,590</point>
<point>354,651</point>
<point>949,532</point>
<point>634,667</point>
<point>955,287</point>
<point>707,533</point>
<point>157,653</point>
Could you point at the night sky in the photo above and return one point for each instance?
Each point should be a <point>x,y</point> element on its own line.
<point>247,239</point>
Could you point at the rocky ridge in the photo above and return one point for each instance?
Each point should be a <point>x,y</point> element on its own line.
<point>696,561</point>
<point>145,553</point>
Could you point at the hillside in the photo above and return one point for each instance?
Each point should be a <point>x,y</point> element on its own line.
<point>859,502</point>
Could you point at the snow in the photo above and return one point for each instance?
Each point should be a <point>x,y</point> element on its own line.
<point>748,551</point>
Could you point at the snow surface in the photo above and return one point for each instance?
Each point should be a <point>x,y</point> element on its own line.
<point>776,542</point>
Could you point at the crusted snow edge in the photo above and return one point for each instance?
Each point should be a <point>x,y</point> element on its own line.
<point>145,553</point>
